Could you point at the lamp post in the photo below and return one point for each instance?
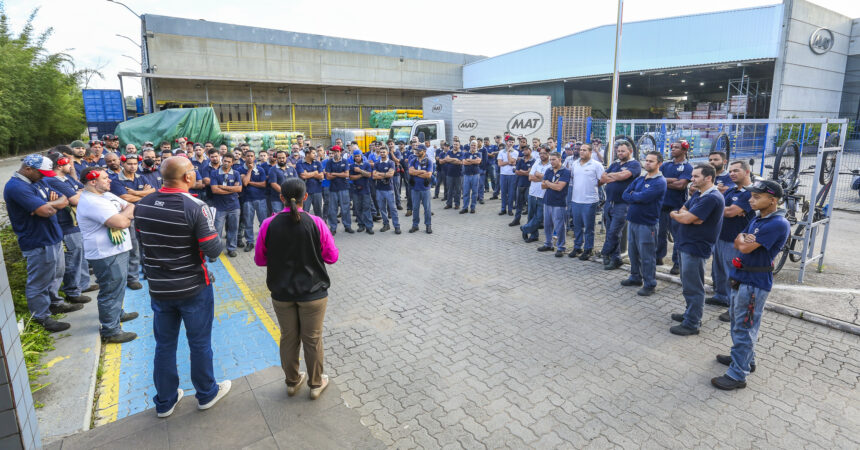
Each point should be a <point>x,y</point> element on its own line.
<point>610,138</point>
<point>146,85</point>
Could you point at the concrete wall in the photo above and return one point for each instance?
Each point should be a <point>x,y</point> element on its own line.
<point>851,87</point>
<point>808,84</point>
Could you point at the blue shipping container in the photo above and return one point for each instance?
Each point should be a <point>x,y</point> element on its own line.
<point>98,129</point>
<point>103,105</point>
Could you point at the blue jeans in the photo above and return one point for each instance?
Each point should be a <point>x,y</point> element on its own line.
<point>197,312</point>
<point>553,220</point>
<point>745,333</point>
<point>397,184</point>
<point>667,225</point>
<point>420,199</point>
<point>339,200</point>
<point>315,200</point>
<point>693,288</point>
<point>641,243</point>
<point>522,196</point>
<point>535,217</point>
<point>232,220</point>
<point>615,216</point>
<point>509,184</point>
<point>251,207</point>
<point>77,273</point>
<point>722,263</point>
<point>495,182</point>
<point>133,256</point>
<point>439,185</point>
<point>45,269</point>
<point>471,191</point>
<point>453,190</point>
<point>387,207</point>
<point>583,224</point>
<point>277,206</point>
<point>482,183</point>
<point>362,209</point>
<point>111,276</point>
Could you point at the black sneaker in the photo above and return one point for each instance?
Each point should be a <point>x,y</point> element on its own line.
<point>726,360</point>
<point>125,317</point>
<point>481,201</point>
<point>514,223</point>
<point>134,285</point>
<point>429,230</point>
<point>349,230</point>
<point>119,338</point>
<point>715,302</point>
<point>472,211</point>
<point>559,253</point>
<point>681,330</point>
<point>413,229</point>
<point>250,248</point>
<point>64,307</point>
<point>240,244</point>
<point>464,211</point>
<point>675,270</point>
<point>502,213</point>
<point>576,252</point>
<point>399,207</point>
<point>629,282</point>
<point>659,261</point>
<point>645,291</point>
<point>78,299</point>
<point>361,229</point>
<point>52,326</point>
<point>212,260</point>
<point>544,248</point>
<point>725,317</point>
<point>585,256</point>
<point>232,253</point>
<point>369,231</point>
<point>531,239</point>
<point>384,228</point>
<point>510,213</point>
<point>606,261</point>
<point>677,317</point>
<point>495,197</point>
<point>377,218</point>
<point>397,230</point>
<point>727,383</point>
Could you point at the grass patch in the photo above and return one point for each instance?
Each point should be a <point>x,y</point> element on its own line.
<point>35,341</point>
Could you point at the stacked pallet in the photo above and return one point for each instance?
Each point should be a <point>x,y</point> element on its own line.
<point>573,122</point>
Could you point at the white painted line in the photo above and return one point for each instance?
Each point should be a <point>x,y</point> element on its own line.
<point>788,287</point>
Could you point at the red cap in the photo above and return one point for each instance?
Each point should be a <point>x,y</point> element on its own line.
<point>336,148</point>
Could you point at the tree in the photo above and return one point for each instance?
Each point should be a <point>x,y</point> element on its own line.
<point>40,98</point>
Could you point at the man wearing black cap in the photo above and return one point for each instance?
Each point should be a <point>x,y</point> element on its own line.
<point>752,275</point>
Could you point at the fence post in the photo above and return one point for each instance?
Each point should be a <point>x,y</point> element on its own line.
<point>764,148</point>
<point>328,117</point>
<point>255,117</point>
<point>559,134</point>
<point>664,141</point>
<point>588,129</point>
<point>293,116</point>
<point>311,129</point>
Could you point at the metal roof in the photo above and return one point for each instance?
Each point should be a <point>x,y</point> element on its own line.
<point>217,30</point>
<point>709,38</point>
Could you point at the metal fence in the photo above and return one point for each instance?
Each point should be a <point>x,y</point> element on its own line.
<point>754,139</point>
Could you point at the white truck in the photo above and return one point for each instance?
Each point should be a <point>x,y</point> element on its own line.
<point>482,115</point>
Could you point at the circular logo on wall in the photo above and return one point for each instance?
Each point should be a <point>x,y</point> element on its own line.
<point>821,41</point>
<point>437,108</point>
<point>468,125</point>
<point>525,123</point>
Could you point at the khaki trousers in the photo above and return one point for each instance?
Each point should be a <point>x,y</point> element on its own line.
<point>301,323</point>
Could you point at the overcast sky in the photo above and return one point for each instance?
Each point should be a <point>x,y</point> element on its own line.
<point>87,29</point>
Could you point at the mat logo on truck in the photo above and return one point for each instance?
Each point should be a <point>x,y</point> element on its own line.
<point>525,123</point>
<point>437,108</point>
<point>468,125</point>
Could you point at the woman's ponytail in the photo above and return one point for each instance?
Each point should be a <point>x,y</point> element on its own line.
<point>294,210</point>
<point>293,191</point>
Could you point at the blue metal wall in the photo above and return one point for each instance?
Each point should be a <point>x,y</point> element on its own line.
<point>710,38</point>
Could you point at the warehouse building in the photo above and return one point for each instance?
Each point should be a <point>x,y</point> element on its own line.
<point>793,59</point>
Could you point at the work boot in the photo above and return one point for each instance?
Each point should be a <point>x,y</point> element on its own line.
<point>675,270</point>
<point>727,383</point>
<point>134,285</point>
<point>119,338</point>
<point>63,307</point>
<point>645,291</point>
<point>576,252</point>
<point>92,287</point>
<point>408,212</point>
<point>52,326</point>
<point>397,230</point>
<point>429,230</point>
<point>464,211</point>
<point>629,282</point>
<point>681,330</point>
<point>384,228</point>
<point>232,253</point>
<point>78,299</point>
<point>249,248</point>
<point>413,229</point>
<point>349,230</point>
<point>125,317</point>
<point>726,360</point>
<point>585,255</point>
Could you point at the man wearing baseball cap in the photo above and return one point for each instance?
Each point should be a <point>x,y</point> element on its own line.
<point>752,280</point>
<point>32,208</point>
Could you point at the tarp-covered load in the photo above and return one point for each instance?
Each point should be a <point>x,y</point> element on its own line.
<point>196,124</point>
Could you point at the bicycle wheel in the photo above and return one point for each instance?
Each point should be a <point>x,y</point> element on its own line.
<point>722,144</point>
<point>793,239</point>
<point>780,260</point>
<point>646,144</point>
<point>786,166</point>
<point>629,140</point>
<point>828,164</point>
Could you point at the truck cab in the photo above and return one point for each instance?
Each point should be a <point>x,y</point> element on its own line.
<point>404,130</point>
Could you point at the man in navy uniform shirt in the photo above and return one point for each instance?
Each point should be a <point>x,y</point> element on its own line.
<point>472,189</point>
<point>521,170</point>
<point>555,181</point>
<point>226,185</point>
<point>617,177</point>
<point>644,196</point>
<point>383,176</point>
<point>677,174</point>
<point>724,179</point>
<point>735,219</point>
<point>420,173</point>
<point>76,278</point>
<point>699,222</point>
<point>279,173</point>
<point>492,175</point>
<point>453,160</point>
<point>254,181</point>
<point>206,170</point>
<point>131,187</point>
<point>360,172</point>
<point>337,172</point>
<point>752,272</point>
<point>32,208</point>
<point>311,170</point>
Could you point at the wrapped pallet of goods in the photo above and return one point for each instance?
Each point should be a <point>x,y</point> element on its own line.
<point>233,140</point>
<point>382,118</point>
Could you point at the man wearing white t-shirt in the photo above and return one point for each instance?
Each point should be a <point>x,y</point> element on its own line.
<point>536,192</point>
<point>507,160</point>
<point>585,176</point>
<point>104,219</point>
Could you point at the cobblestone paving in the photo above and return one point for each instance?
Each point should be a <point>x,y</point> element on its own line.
<point>470,338</point>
